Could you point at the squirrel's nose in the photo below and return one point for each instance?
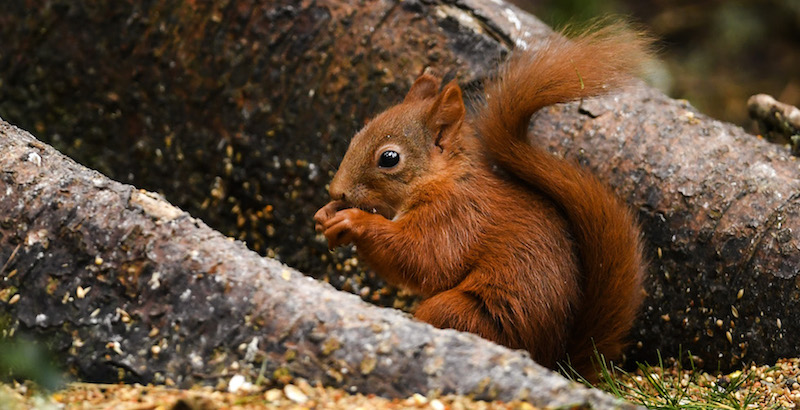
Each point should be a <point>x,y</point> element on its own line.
<point>335,190</point>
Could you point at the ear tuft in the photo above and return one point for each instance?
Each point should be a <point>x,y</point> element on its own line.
<point>426,86</point>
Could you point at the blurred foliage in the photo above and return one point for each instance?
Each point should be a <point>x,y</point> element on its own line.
<point>23,359</point>
<point>715,54</point>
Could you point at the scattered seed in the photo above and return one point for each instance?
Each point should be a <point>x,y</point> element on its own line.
<point>238,383</point>
<point>273,395</point>
<point>419,399</point>
<point>294,394</point>
<point>115,346</point>
<point>81,292</point>
<point>124,316</point>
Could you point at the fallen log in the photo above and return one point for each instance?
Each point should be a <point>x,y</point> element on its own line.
<point>129,288</point>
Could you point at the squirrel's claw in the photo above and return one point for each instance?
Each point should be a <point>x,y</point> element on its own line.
<point>326,213</point>
<point>344,227</point>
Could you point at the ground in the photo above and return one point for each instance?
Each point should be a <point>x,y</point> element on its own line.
<point>670,387</point>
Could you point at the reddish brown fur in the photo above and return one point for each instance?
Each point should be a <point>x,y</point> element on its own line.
<point>546,259</point>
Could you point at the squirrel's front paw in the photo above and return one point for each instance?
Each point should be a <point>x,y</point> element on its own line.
<point>326,213</point>
<point>345,226</point>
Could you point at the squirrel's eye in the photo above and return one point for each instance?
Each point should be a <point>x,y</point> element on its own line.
<point>389,159</point>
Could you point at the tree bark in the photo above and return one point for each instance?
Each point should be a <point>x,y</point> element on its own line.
<point>239,112</point>
<point>132,288</point>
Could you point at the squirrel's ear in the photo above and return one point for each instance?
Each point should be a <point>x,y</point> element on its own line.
<point>449,108</point>
<point>447,114</point>
<point>426,86</point>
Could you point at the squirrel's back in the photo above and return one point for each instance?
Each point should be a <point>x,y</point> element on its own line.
<point>606,234</point>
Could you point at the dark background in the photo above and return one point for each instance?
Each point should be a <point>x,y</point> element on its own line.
<point>716,54</point>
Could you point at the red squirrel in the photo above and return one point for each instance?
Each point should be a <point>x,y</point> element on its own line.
<point>500,237</point>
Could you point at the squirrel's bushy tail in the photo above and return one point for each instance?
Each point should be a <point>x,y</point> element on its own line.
<point>593,62</point>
